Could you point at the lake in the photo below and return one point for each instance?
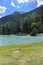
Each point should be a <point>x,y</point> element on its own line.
<point>11,39</point>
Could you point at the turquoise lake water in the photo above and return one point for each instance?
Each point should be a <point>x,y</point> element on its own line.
<point>10,40</point>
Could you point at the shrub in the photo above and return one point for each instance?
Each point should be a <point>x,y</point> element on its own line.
<point>34,32</point>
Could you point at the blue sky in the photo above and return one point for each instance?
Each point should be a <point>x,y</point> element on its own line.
<point>9,6</point>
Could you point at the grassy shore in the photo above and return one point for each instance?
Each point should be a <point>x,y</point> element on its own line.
<point>41,34</point>
<point>30,54</point>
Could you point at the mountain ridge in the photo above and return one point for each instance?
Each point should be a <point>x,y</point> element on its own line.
<point>17,14</point>
<point>25,22</point>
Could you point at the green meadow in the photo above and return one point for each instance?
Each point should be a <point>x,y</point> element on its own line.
<point>28,54</point>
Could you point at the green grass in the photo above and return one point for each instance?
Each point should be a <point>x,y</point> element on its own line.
<point>28,54</point>
<point>41,34</point>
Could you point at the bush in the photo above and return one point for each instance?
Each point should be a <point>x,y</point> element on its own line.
<point>34,32</point>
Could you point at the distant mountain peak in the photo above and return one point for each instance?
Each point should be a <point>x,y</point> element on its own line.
<point>17,15</point>
<point>41,6</point>
<point>16,12</point>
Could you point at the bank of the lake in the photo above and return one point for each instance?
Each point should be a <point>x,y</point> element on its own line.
<point>28,54</point>
<point>41,34</point>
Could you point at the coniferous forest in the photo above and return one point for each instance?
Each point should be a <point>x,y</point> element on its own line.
<point>26,23</point>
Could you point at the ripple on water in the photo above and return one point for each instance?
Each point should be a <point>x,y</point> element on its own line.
<point>8,40</point>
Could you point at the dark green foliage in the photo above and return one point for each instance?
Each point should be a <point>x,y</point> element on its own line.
<point>41,29</point>
<point>22,23</point>
<point>34,25</point>
<point>3,30</point>
<point>34,32</point>
<point>25,27</point>
<point>42,19</point>
<point>37,19</point>
<point>18,27</point>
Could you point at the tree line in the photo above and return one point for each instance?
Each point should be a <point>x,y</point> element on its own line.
<point>28,27</point>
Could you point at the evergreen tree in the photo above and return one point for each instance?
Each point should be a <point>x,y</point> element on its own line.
<point>18,27</point>
<point>25,27</point>
<point>3,30</point>
<point>34,32</point>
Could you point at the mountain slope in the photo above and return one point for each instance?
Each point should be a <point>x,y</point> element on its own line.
<point>9,17</point>
<point>32,14</point>
<point>18,22</point>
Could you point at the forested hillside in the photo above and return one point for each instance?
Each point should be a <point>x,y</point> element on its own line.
<point>26,23</point>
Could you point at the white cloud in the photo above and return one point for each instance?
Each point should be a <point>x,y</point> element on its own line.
<point>12,3</point>
<point>22,1</point>
<point>39,3</point>
<point>18,6</point>
<point>25,1</point>
<point>2,9</point>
